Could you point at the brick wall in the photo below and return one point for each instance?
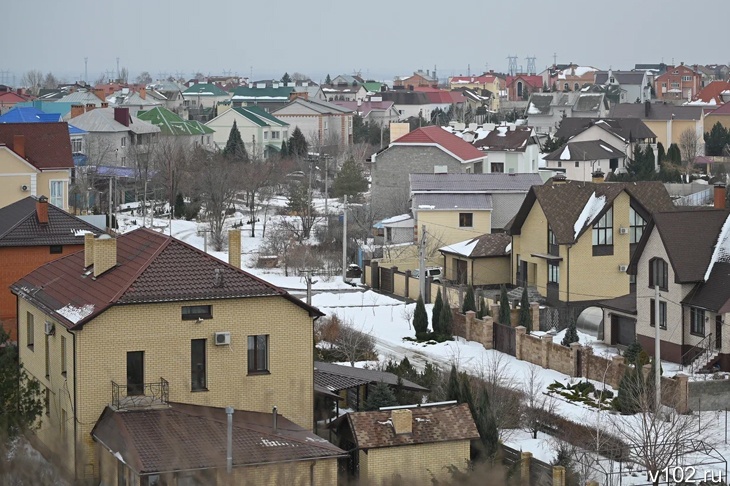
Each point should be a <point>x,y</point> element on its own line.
<point>415,463</point>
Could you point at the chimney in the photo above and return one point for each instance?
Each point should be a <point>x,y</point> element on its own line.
<point>402,421</point>
<point>720,196</point>
<point>597,176</point>
<point>559,179</point>
<point>121,115</point>
<point>234,248</point>
<point>105,254</point>
<point>647,108</point>
<point>77,110</point>
<point>104,104</point>
<point>99,92</point>
<point>88,249</point>
<point>90,106</point>
<point>19,145</point>
<point>41,209</point>
<point>142,93</point>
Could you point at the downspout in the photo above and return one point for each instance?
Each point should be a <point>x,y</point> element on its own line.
<point>76,419</point>
<point>568,292</point>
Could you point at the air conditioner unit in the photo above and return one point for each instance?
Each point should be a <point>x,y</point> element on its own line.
<point>623,231</point>
<point>623,268</point>
<point>24,188</point>
<point>222,338</point>
<point>50,328</point>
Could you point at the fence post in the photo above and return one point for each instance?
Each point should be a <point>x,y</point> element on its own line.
<point>408,281</point>
<point>393,271</point>
<point>469,324</point>
<point>525,459</point>
<point>575,355</point>
<point>488,332</point>
<point>375,275</point>
<point>682,392</point>
<point>427,297</point>
<point>535,311</point>
<point>520,332</point>
<point>558,476</point>
<point>546,342</point>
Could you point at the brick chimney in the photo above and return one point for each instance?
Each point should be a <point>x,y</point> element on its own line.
<point>41,209</point>
<point>597,176</point>
<point>559,178</point>
<point>19,145</point>
<point>99,92</point>
<point>402,421</point>
<point>88,249</point>
<point>234,248</point>
<point>142,93</point>
<point>720,196</point>
<point>105,254</point>
<point>647,108</point>
<point>104,104</point>
<point>121,115</point>
<point>77,110</point>
<point>90,106</point>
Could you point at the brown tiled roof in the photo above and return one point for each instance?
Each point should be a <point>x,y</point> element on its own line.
<point>488,245</point>
<point>150,268</point>
<point>430,424</point>
<point>624,128</point>
<point>505,140</point>
<point>563,203</point>
<point>19,226</point>
<point>47,145</point>
<point>625,303</point>
<point>689,237</point>
<point>713,295</point>
<point>185,437</point>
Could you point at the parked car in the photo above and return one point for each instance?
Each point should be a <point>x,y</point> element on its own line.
<point>434,272</point>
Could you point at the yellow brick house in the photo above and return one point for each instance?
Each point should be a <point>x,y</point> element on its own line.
<point>572,241</point>
<point>142,322</point>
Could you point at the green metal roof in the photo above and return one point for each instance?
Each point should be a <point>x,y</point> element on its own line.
<point>256,116</point>
<point>265,114</point>
<point>373,86</point>
<point>171,123</point>
<point>205,90</point>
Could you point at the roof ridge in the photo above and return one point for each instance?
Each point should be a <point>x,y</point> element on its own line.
<point>22,220</point>
<point>143,267</point>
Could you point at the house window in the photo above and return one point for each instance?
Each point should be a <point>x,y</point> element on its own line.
<point>193,312</point>
<point>658,274</point>
<point>552,242</point>
<point>266,135</point>
<point>553,272</point>
<point>637,225</point>
<point>577,163</point>
<point>63,355</point>
<point>560,164</point>
<point>662,314</point>
<point>603,234</point>
<point>567,87</point>
<point>56,249</point>
<point>675,85</point>
<point>197,365</point>
<point>275,135</point>
<point>697,321</point>
<point>466,220</point>
<point>686,78</point>
<point>519,89</point>
<point>47,402</point>
<point>124,141</point>
<point>124,161</point>
<point>612,80</point>
<point>664,85</point>
<point>76,145</point>
<point>497,167</point>
<point>576,87</point>
<point>57,193</point>
<point>258,353</point>
<point>30,330</point>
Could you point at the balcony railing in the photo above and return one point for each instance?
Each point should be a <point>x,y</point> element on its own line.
<point>143,395</point>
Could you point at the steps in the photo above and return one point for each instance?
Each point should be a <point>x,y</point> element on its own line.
<point>699,364</point>
<point>532,295</point>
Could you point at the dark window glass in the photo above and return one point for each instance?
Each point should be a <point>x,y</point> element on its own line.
<point>658,273</point>
<point>466,220</point>
<point>192,312</point>
<point>197,365</point>
<point>697,321</point>
<point>258,353</point>
<point>662,314</point>
<point>56,249</point>
<point>603,229</point>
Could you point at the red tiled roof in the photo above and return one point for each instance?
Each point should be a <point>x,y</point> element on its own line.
<point>722,110</point>
<point>533,81</point>
<point>47,145</point>
<point>150,268</point>
<point>448,141</point>
<point>712,92</point>
<point>12,97</point>
<point>436,95</point>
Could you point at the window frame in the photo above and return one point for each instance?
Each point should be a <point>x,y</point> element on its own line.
<point>194,316</point>
<point>55,249</point>
<point>30,330</point>
<point>697,317</point>
<point>653,267</point>
<point>637,225</point>
<point>253,354</point>
<point>662,314</point>
<point>466,220</point>
<point>553,273</point>
<point>602,234</point>
<point>496,165</point>
<point>56,190</point>
<point>198,376</point>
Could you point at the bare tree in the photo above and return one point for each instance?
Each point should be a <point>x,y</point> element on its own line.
<point>144,78</point>
<point>169,158</point>
<point>689,144</point>
<point>300,203</point>
<point>299,77</point>
<point>123,76</point>
<point>279,241</point>
<point>258,176</point>
<point>538,404</point>
<point>101,79</point>
<point>50,81</point>
<point>352,344</point>
<point>217,182</point>
<point>504,391</point>
<point>32,80</point>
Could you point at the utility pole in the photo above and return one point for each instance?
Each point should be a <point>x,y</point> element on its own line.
<point>344,241</point>
<point>86,70</point>
<point>110,203</point>
<point>422,263</point>
<point>118,74</point>
<point>657,352</point>
<point>310,282</point>
<point>326,193</point>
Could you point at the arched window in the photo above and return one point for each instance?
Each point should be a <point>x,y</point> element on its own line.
<point>567,87</point>
<point>659,273</point>
<point>576,87</point>
<point>519,89</point>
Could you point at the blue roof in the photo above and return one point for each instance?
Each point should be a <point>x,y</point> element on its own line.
<point>30,114</point>
<point>62,108</point>
<point>72,130</point>
<point>116,171</point>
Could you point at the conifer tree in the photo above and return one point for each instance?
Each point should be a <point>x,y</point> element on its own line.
<point>571,334</point>
<point>453,387</point>
<point>716,140</point>
<point>286,78</point>
<point>486,424</point>
<point>662,154</point>
<point>446,319</point>
<point>21,401</point>
<point>483,309</point>
<point>525,318</point>
<point>298,145</point>
<point>674,155</point>
<point>632,352</point>
<point>350,181</point>
<point>420,319</point>
<point>328,80</point>
<point>284,149</point>
<point>469,302</point>
<point>380,396</point>
<point>235,148</point>
<point>179,206</point>
<point>504,310</point>
<point>436,313</point>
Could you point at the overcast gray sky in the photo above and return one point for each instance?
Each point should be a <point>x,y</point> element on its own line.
<point>379,38</point>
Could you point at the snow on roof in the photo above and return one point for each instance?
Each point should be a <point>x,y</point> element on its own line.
<point>462,248</point>
<point>533,110</point>
<point>75,314</point>
<point>396,219</point>
<point>566,154</point>
<point>607,149</point>
<point>722,248</point>
<point>589,213</point>
<point>502,131</point>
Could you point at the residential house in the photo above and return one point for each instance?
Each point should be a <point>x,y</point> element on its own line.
<point>29,114</point>
<point>418,79</point>
<point>191,134</point>
<point>116,138</point>
<point>268,96</point>
<point>169,94</point>
<point>572,241</point>
<point>621,133</point>
<point>375,87</point>
<point>451,217</point>
<point>714,93</point>
<point>569,77</point>
<point>49,107</point>
<point>665,120</point>
<point>480,104</point>
<point>579,161</point>
<point>396,229</point>
<point>506,193</point>
<point>375,110</point>
<point>33,232</point>
<point>511,149</point>
<point>521,86</point>
<point>720,114</point>
<point>424,150</point>
<point>634,86</point>
<point>204,95</point>
<point>86,98</point>
<point>9,98</point>
<point>545,111</point>
<point>418,444</point>
<point>136,101</point>
<point>144,322</point>
<point>35,159</point>
<point>420,104</point>
<point>678,83</point>
<point>684,253</point>
<point>347,79</point>
<point>483,260</point>
<point>337,92</point>
<point>487,81</point>
<point>261,132</point>
<point>189,447</point>
<point>321,122</point>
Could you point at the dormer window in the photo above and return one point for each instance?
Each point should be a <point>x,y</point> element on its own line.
<point>603,234</point>
<point>612,80</point>
<point>659,274</point>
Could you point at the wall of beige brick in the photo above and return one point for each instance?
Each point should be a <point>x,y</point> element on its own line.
<point>416,463</point>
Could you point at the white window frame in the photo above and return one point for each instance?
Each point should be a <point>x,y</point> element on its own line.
<point>56,198</point>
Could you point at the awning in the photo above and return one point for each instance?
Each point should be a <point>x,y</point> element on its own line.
<point>547,256</point>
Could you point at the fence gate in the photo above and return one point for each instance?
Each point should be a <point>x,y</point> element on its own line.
<point>386,280</point>
<point>504,339</point>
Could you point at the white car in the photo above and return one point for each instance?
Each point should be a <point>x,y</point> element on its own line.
<point>433,272</point>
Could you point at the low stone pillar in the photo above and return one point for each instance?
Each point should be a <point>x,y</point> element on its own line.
<point>681,394</point>
<point>488,332</point>
<point>525,460</point>
<point>535,312</point>
<point>407,286</point>
<point>520,332</point>
<point>615,374</point>
<point>558,476</point>
<point>574,352</point>
<point>546,342</point>
<point>586,354</point>
<point>494,311</point>
<point>469,324</point>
